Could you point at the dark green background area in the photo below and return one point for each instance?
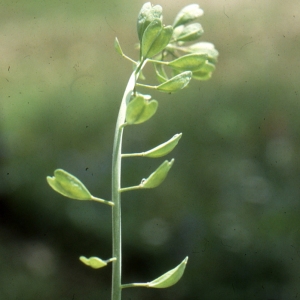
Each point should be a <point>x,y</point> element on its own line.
<point>231,201</point>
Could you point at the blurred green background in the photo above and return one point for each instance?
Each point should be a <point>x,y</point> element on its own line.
<point>232,199</point>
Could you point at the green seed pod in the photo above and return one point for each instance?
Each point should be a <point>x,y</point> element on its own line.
<point>205,48</point>
<point>147,14</point>
<point>190,33</point>
<point>205,72</point>
<point>169,278</point>
<point>161,41</point>
<point>150,35</point>
<point>68,185</point>
<point>158,176</point>
<point>93,262</point>
<point>165,148</point>
<point>189,62</point>
<point>188,14</point>
<point>176,83</point>
<point>140,110</point>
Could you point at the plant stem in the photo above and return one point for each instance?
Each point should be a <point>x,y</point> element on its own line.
<point>116,186</point>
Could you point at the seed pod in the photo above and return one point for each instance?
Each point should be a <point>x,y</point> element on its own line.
<point>158,176</point>
<point>93,262</point>
<point>205,48</point>
<point>165,148</point>
<point>68,185</point>
<point>188,14</point>
<point>190,33</point>
<point>176,83</point>
<point>169,278</point>
<point>151,33</point>
<point>147,14</point>
<point>189,62</point>
<point>140,110</point>
<point>160,42</point>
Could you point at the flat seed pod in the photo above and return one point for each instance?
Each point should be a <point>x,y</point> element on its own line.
<point>189,62</point>
<point>164,148</point>
<point>190,33</point>
<point>68,185</point>
<point>140,110</point>
<point>205,48</point>
<point>161,41</point>
<point>146,15</point>
<point>176,83</point>
<point>158,176</point>
<point>169,278</point>
<point>188,14</point>
<point>93,262</point>
<point>151,33</point>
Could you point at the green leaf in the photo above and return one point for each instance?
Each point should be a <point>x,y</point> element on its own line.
<point>151,33</point>
<point>147,14</point>
<point>176,83</point>
<point>169,278</point>
<point>158,176</point>
<point>94,262</point>
<point>187,14</point>
<point>161,41</point>
<point>118,47</point>
<point>140,109</point>
<point>190,33</point>
<point>189,62</point>
<point>68,185</point>
<point>164,148</point>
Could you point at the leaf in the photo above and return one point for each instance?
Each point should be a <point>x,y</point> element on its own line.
<point>164,148</point>
<point>176,83</point>
<point>149,36</point>
<point>158,176</point>
<point>93,262</point>
<point>189,62</point>
<point>68,185</point>
<point>187,14</point>
<point>147,14</point>
<point>140,110</point>
<point>169,278</point>
<point>190,33</point>
<point>118,47</point>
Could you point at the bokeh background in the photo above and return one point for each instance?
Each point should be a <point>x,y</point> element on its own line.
<point>232,199</point>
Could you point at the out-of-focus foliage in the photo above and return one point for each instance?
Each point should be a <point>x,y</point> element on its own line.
<point>231,201</point>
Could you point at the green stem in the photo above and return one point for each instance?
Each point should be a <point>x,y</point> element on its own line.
<point>131,188</point>
<point>129,285</point>
<point>103,201</point>
<point>116,186</point>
